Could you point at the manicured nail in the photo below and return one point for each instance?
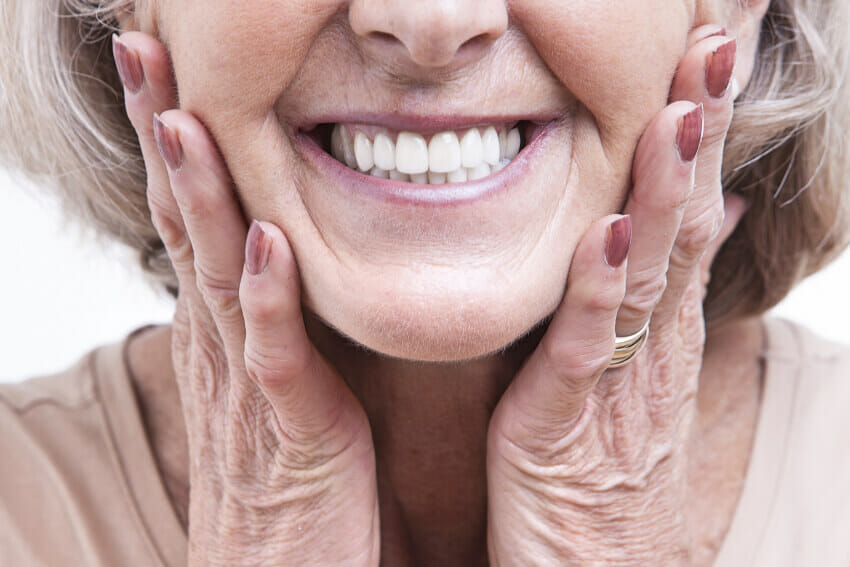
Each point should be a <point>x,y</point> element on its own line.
<point>619,241</point>
<point>689,136</point>
<point>168,143</point>
<point>129,65</point>
<point>257,249</point>
<point>719,67</point>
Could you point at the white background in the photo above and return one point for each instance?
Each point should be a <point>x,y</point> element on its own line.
<point>61,293</point>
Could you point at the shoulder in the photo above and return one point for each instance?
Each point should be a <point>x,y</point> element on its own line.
<point>814,368</point>
<point>70,389</point>
<point>788,341</point>
<point>61,481</point>
<point>801,454</point>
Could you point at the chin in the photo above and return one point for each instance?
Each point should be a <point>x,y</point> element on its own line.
<point>454,325</point>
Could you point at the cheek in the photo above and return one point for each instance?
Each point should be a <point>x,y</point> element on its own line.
<point>232,59</point>
<point>617,58</point>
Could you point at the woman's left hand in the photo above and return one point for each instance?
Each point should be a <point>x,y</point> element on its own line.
<point>587,465</point>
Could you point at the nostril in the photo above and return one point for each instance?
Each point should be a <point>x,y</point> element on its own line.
<point>477,41</point>
<point>384,37</point>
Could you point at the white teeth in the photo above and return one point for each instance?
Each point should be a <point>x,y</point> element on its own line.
<point>490,141</point>
<point>513,144</point>
<point>457,176</point>
<point>443,152</point>
<point>436,178</point>
<point>501,165</point>
<point>471,148</point>
<point>384,150</point>
<point>378,172</point>
<point>396,175</point>
<point>444,159</point>
<point>503,144</point>
<point>480,171</point>
<point>347,147</point>
<point>363,152</point>
<point>411,153</point>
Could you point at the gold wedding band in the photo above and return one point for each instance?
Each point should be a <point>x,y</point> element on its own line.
<point>626,348</point>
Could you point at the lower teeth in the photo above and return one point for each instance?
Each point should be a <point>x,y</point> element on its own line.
<point>459,176</point>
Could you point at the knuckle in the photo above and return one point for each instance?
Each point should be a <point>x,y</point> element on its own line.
<point>274,372</point>
<point>576,363</point>
<point>220,295</point>
<point>179,248</point>
<point>263,309</point>
<point>209,368</point>
<point>605,299</point>
<point>696,235</point>
<point>645,289</point>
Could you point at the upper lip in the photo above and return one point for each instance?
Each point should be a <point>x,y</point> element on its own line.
<point>423,123</point>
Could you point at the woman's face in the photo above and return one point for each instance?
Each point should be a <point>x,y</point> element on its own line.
<point>436,272</point>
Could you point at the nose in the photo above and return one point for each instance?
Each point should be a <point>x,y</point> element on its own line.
<point>430,33</point>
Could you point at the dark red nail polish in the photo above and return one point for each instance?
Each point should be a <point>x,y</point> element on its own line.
<point>689,136</point>
<point>619,241</point>
<point>129,65</point>
<point>168,143</point>
<point>719,67</point>
<point>257,249</point>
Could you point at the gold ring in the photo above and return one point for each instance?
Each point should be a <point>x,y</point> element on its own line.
<point>626,348</point>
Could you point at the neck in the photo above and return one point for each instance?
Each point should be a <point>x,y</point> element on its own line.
<point>429,424</point>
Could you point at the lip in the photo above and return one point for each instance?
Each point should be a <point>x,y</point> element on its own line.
<point>398,192</point>
<point>424,124</point>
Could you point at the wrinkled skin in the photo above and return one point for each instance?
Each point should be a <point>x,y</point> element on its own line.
<point>281,451</point>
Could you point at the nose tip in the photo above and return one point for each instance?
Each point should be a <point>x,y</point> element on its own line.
<point>430,33</point>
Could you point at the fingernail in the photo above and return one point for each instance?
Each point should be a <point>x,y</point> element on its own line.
<point>711,31</point>
<point>720,31</point>
<point>257,249</point>
<point>718,71</point>
<point>619,241</point>
<point>689,136</point>
<point>129,66</point>
<point>168,143</point>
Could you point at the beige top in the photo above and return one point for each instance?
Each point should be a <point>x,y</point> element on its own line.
<point>79,485</point>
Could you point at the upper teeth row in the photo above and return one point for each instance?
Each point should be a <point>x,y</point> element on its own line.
<point>411,155</point>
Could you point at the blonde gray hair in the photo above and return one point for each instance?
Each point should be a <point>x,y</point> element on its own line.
<point>62,122</point>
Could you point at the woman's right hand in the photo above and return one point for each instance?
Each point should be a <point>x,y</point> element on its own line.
<point>282,465</point>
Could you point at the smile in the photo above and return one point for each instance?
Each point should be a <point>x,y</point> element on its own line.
<point>437,162</point>
<point>445,157</point>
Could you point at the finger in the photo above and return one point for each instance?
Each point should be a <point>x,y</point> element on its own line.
<point>704,77</point>
<point>145,71</point>
<point>307,395</point>
<point>207,204</point>
<point>662,183</point>
<point>552,387</point>
<point>704,32</point>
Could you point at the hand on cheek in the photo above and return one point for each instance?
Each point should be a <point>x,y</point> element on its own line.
<point>281,455</point>
<point>587,463</point>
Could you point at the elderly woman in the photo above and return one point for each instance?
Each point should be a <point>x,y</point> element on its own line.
<point>442,282</point>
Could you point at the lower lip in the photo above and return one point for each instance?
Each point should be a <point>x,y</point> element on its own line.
<point>399,192</point>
